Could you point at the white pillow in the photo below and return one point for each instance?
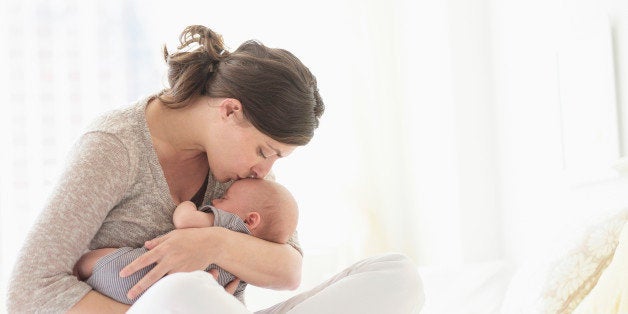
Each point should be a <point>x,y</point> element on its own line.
<point>610,294</point>
<point>572,276</point>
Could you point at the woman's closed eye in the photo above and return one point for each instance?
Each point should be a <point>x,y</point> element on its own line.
<point>260,152</point>
<point>265,155</point>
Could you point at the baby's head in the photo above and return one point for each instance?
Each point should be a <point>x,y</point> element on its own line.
<point>266,207</point>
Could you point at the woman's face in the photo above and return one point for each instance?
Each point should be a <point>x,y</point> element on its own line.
<point>238,150</point>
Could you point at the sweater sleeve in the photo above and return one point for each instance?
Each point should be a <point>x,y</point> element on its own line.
<point>94,181</point>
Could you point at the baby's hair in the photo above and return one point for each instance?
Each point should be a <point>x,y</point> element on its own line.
<point>280,214</point>
<point>276,226</point>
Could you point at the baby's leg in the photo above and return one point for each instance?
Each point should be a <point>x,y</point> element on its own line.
<point>186,215</point>
<point>105,277</point>
<point>85,265</point>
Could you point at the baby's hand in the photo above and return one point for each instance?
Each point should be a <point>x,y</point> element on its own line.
<point>186,215</point>
<point>85,265</point>
<point>230,287</point>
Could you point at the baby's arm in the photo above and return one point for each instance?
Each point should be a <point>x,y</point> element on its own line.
<point>187,216</point>
<point>85,265</point>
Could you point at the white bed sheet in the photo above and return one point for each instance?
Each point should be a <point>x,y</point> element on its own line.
<point>466,289</point>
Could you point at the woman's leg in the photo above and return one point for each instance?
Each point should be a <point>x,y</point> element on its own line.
<point>382,284</point>
<point>193,292</point>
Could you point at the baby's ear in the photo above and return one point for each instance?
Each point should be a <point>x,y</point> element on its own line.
<point>252,220</point>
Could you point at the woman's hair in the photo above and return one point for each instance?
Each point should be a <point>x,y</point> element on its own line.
<point>278,93</point>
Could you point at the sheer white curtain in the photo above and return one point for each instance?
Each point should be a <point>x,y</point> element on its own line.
<point>63,63</point>
<point>424,125</point>
<point>394,165</point>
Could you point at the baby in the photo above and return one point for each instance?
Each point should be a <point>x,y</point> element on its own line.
<point>262,208</point>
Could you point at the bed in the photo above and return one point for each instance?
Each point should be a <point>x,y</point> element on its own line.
<point>586,273</point>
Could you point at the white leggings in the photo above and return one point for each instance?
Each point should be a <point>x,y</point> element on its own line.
<point>382,284</point>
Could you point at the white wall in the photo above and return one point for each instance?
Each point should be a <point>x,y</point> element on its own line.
<point>475,129</point>
<point>539,196</point>
<point>425,130</point>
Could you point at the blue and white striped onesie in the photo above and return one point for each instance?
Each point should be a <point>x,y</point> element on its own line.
<point>105,279</point>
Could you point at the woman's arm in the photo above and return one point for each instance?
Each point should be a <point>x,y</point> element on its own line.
<point>94,181</point>
<point>258,262</point>
<point>94,302</point>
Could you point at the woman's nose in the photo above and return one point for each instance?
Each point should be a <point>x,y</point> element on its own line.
<point>262,169</point>
<point>258,173</point>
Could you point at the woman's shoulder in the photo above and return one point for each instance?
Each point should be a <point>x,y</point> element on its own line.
<point>124,127</point>
<point>126,123</point>
<point>127,118</point>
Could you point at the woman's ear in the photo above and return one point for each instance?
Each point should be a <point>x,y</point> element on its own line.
<point>230,108</point>
<point>253,220</point>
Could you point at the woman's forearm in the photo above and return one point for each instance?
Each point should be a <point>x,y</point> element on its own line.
<point>259,262</point>
<point>94,302</point>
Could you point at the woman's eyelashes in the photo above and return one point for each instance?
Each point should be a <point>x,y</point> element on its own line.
<point>264,155</point>
<point>260,152</point>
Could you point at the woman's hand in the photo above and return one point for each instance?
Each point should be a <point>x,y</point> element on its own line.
<point>181,250</point>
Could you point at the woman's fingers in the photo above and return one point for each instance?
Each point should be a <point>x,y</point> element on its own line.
<point>232,286</point>
<point>144,260</point>
<point>156,241</point>
<point>148,280</point>
<point>176,251</point>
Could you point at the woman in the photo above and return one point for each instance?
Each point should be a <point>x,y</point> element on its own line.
<point>226,116</point>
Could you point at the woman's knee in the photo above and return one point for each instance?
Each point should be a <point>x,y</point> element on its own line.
<point>192,292</point>
<point>402,273</point>
<point>178,281</point>
<point>182,285</point>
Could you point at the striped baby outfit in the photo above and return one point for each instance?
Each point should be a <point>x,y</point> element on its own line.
<point>105,279</point>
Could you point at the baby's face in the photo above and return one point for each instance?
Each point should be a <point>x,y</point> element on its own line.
<point>236,200</point>
<point>256,201</point>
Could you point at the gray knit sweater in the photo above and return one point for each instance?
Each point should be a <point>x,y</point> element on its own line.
<point>113,193</point>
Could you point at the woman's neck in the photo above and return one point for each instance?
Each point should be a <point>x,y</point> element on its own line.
<point>171,131</point>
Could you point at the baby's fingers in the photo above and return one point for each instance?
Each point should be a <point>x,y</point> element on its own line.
<point>214,272</point>
<point>232,286</point>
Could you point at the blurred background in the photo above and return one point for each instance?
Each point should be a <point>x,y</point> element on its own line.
<point>455,132</point>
